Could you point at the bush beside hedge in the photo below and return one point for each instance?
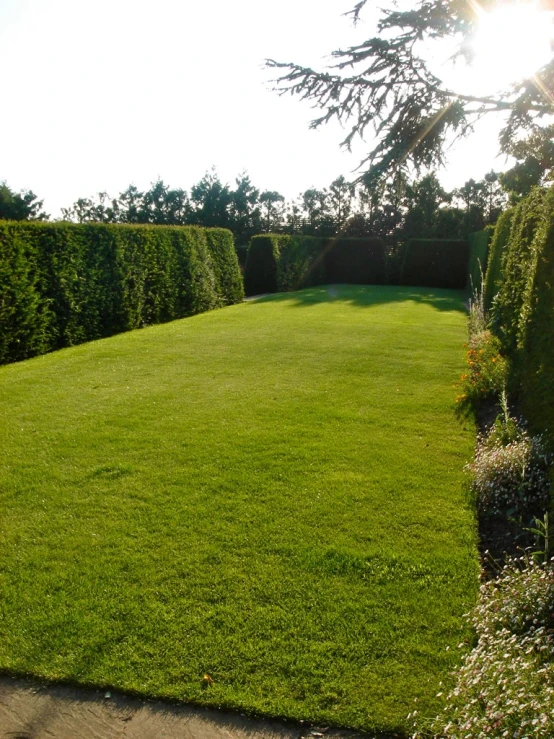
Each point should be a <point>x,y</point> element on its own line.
<point>435,263</point>
<point>63,284</point>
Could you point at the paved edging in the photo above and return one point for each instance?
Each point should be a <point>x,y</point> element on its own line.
<point>33,710</point>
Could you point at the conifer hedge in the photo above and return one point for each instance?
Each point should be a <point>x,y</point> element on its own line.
<point>262,259</point>
<point>516,265</point>
<point>523,306</point>
<point>62,284</point>
<point>282,263</point>
<point>537,329</point>
<point>229,284</point>
<point>301,264</point>
<point>435,263</point>
<point>499,241</point>
<point>356,261</point>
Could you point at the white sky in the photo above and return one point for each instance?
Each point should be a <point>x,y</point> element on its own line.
<point>97,96</point>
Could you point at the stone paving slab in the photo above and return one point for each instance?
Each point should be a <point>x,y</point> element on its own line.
<point>32,710</point>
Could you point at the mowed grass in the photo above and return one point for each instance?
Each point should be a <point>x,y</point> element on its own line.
<point>270,494</point>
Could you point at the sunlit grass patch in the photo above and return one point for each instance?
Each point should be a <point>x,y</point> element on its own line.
<point>269,494</point>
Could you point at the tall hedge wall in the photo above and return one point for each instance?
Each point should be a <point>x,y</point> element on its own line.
<point>523,308</point>
<point>63,284</point>
<point>358,261</point>
<point>537,328</point>
<point>516,265</point>
<point>499,242</point>
<point>262,259</point>
<point>301,263</point>
<point>435,263</point>
<point>282,263</point>
<point>228,279</point>
<point>478,256</point>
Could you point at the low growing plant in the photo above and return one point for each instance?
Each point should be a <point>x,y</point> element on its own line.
<point>478,319</point>
<point>505,685</point>
<point>510,478</point>
<point>486,373</point>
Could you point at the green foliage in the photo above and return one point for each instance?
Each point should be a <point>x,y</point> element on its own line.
<point>260,270</point>
<point>225,265</point>
<point>478,254</point>
<point>435,263</point>
<point>301,264</point>
<point>506,429</point>
<point>389,84</point>
<point>535,155</point>
<point>521,270</point>
<point>516,267</point>
<point>486,374</point>
<point>24,317</point>
<point>505,686</point>
<point>510,478</point>
<point>211,201</point>
<point>537,329</point>
<point>355,261</point>
<point>64,284</point>
<point>283,263</point>
<point>423,199</point>
<point>22,206</point>
<point>500,239</point>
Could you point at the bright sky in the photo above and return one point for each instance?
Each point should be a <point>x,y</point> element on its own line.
<point>100,95</point>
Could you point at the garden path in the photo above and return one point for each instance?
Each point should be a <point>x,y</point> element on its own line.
<point>33,710</point>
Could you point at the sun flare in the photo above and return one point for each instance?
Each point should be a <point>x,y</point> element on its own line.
<point>513,41</point>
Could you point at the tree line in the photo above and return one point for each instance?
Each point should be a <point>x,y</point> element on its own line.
<point>395,208</point>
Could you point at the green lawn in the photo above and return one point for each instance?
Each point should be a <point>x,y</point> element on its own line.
<point>271,494</point>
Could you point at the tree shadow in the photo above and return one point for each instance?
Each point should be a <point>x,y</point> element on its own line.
<point>370,296</point>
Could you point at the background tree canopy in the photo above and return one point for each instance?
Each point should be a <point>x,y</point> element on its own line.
<point>23,206</point>
<point>387,83</point>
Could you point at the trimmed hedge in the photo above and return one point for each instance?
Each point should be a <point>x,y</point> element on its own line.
<point>62,284</point>
<point>283,263</point>
<point>260,270</point>
<point>536,330</point>
<point>500,239</point>
<point>354,261</point>
<point>523,309</point>
<point>478,255</point>
<point>516,266</point>
<point>435,263</point>
<point>24,317</point>
<point>301,263</point>
<point>229,285</point>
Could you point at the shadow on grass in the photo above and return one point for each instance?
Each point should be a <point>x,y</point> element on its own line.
<point>371,295</point>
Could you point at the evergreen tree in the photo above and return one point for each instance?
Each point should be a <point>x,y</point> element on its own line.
<point>245,213</point>
<point>273,210</point>
<point>211,202</point>
<point>387,83</point>
<point>23,206</point>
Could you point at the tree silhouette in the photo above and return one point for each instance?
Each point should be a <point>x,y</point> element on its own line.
<point>387,83</point>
